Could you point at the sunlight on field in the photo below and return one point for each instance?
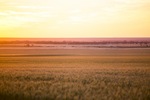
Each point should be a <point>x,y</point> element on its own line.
<point>75,78</point>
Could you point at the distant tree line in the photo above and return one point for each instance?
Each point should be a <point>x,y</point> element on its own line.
<point>74,42</point>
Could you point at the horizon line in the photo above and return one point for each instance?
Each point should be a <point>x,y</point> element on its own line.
<point>67,37</point>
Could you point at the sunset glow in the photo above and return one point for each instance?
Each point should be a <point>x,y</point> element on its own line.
<point>74,18</point>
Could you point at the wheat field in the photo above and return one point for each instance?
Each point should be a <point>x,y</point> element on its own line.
<point>75,77</point>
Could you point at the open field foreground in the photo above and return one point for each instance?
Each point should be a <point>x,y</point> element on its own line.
<point>101,74</point>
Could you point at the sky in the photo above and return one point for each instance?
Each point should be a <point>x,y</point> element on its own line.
<point>74,18</point>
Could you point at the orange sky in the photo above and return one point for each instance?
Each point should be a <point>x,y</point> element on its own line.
<point>74,18</point>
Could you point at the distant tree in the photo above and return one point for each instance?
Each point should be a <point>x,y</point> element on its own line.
<point>27,45</point>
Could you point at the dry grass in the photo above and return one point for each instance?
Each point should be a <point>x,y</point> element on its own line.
<point>75,78</point>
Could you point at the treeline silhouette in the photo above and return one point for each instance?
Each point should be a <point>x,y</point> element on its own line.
<point>75,42</point>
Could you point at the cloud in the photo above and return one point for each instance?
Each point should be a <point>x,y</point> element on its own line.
<point>37,14</point>
<point>3,14</point>
<point>34,7</point>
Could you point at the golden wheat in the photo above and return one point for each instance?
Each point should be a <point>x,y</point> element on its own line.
<point>75,78</point>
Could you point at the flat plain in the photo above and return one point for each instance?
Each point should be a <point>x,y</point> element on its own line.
<point>75,74</point>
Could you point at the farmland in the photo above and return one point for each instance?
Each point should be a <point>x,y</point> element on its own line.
<point>75,74</point>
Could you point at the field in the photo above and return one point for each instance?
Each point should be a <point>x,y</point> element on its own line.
<point>75,74</point>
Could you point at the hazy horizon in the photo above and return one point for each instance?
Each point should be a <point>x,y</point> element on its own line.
<point>75,39</point>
